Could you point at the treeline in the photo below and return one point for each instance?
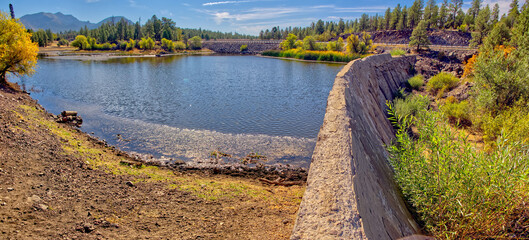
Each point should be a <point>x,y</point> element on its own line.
<point>115,32</point>
<point>449,15</point>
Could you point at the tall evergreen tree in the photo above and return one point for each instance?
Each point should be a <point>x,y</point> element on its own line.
<point>419,36</point>
<point>513,13</point>
<point>482,26</point>
<point>455,7</point>
<point>387,19</point>
<point>443,15</point>
<point>428,12</point>
<point>495,14</point>
<point>403,20</point>
<point>415,13</point>
<point>395,17</point>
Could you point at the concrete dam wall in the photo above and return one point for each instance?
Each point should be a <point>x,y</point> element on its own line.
<point>350,191</point>
<point>234,46</point>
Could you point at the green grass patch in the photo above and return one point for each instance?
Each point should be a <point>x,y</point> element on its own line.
<point>397,52</point>
<point>416,82</point>
<point>327,56</point>
<point>75,144</point>
<point>441,83</point>
<point>457,112</point>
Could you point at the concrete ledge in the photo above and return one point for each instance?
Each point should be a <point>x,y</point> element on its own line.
<point>350,191</point>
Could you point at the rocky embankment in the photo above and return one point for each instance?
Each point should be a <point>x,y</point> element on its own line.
<point>436,37</point>
<point>59,183</point>
<point>432,62</point>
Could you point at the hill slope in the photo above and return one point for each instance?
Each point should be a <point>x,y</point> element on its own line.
<point>59,22</point>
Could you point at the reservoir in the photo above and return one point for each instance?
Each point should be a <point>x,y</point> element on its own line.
<point>185,107</point>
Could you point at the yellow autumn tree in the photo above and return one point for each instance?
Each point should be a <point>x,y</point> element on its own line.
<point>18,55</point>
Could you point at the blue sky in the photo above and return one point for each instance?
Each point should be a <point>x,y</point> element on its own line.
<point>243,16</point>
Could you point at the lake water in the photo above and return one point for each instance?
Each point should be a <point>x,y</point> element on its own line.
<point>184,107</point>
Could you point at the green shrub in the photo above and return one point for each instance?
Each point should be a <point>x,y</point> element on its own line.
<point>168,45</point>
<point>456,191</point>
<point>512,122</point>
<point>147,43</point>
<point>397,52</point>
<point>330,56</point>
<point>131,44</point>
<point>457,113</point>
<point>410,105</point>
<point>179,45</point>
<point>244,48</point>
<point>442,82</point>
<point>63,42</point>
<point>195,43</point>
<point>501,79</point>
<point>416,81</point>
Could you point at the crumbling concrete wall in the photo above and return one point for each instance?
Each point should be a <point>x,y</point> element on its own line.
<point>234,46</point>
<point>350,191</point>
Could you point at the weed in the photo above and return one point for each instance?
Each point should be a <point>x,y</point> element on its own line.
<point>457,191</point>
<point>442,82</point>
<point>397,52</point>
<point>416,82</point>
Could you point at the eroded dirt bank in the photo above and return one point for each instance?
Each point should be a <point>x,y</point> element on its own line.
<point>58,183</point>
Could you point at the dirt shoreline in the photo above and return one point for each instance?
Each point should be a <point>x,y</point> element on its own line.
<point>57,182</point>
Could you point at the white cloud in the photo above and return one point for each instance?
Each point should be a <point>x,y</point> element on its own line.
<point>223,2</point>
<point>166,13</point>
<point>255,14</point>
<point>504,5</point>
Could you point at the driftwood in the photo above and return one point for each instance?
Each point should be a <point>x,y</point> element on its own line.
<point>69,113</point>
<point>281,182</point>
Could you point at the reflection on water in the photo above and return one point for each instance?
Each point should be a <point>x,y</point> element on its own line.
<point>186,107</point>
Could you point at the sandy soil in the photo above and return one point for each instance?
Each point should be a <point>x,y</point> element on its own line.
<point>58,183</point>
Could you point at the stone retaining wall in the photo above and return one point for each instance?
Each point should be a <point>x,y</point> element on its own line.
<point>350,191</point>
<point>234,47</point>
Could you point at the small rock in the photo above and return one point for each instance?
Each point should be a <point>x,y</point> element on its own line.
<point>42,207</point>
<point>34,198</point>
<point>130,184</point>
<point>85,228</point>
<point>179,162</point>
<point>10,189</point>
<point>286,221</point>
<point>3,203</point>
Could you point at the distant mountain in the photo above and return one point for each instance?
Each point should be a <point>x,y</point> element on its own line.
<point>59,22</point>
<point>115,19</point>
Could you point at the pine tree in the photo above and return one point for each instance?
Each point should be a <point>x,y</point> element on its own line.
<point>495,14</point>
<point>482,26</point>
<point>387,19</point>
<point>419,36</point>
<point>428,13</point>
<point>414,13</point>
<point>455,7</point>
<point>395,17</point>
<point>401,25</point>
<point>513,13</point>
<point>443,15</point>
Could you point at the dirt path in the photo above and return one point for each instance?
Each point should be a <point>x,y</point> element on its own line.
<point>58,183</point>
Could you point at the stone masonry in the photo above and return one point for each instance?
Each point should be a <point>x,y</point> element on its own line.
<point>350,191</point>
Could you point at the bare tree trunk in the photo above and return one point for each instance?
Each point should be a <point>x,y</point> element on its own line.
<point>3,80</point>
